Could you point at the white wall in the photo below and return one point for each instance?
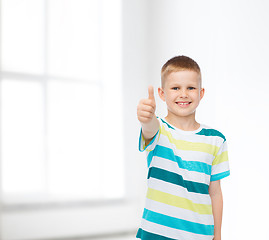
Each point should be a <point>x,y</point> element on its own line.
<point>135,81</point>
<point>86,220</point>
<point>179,28</point>
<point>243,58</point>
<point>229,40</point>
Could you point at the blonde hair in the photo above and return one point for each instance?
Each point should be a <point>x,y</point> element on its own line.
<point>180,63</point>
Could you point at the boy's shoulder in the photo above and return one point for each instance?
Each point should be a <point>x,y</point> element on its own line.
<point>209,131</point>
<point>164,123</point>
<point>205,130</point>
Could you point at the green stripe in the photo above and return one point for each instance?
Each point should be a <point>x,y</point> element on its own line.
<point>168,125</point>
<point>177,179</point>
<point>144,235</point>
<point>211,132</point>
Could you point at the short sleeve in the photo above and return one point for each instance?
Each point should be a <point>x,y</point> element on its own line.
<point>149,149</point>
<point>151,145</point>
<point>220,165</point>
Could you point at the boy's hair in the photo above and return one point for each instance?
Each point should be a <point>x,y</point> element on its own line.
<point>180,63</point>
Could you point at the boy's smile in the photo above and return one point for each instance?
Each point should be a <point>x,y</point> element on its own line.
<point>182,93</point>
<point>183,104</point>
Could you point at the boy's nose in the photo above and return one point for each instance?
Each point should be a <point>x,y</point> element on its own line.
<point>183,93</point>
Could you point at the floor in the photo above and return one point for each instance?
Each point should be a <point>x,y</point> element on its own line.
<point>113,237</point>
<point>116,238</point>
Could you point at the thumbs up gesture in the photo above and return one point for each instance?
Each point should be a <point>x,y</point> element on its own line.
<point>146,107</point>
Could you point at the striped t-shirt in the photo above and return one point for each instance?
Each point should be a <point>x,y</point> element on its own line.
<point>181,165</point>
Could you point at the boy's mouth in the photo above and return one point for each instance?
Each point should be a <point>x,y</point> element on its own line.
<point>183,104</point>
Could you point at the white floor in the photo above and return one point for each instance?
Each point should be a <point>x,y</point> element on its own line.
<point>119,237</point>
<point>116,238</point>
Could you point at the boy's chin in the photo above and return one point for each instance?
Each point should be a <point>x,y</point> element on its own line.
<point>182,114</point>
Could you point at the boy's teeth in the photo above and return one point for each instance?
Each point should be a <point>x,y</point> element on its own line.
<point>183,103</point>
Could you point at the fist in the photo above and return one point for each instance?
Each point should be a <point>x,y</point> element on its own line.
<point>146,107</point>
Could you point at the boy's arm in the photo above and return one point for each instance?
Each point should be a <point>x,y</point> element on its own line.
<point>217,207</point>
<point>149,130</point>
<point>146,116</point>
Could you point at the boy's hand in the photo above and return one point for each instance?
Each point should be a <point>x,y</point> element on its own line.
<point>146,107</point>
<point>146,116</point>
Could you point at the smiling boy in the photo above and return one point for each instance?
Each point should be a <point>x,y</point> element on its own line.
<point>186,160</point>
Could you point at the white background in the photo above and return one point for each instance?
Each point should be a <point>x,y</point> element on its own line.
<point>229,40</point>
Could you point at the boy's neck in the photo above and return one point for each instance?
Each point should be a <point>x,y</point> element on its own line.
<point>184,123</point>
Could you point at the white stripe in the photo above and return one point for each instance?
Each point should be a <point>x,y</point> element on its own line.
<point>179,191</point>
<point>180,213</point>
<point>219,168</point>
<point>187,175</point>
<point>171,232</point>
<point>223,148</point>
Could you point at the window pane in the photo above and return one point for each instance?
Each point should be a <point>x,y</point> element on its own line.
<point>112,92</point>
<point>74,39</point>
<point>22,134</point>
<point>113,160</point>
<point>23,35</point>
<point>74,139</point>
<point>64,146</point>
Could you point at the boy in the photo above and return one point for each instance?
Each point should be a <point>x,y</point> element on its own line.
<point>186,160</point>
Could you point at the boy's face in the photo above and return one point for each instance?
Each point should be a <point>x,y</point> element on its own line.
<point>182,93</point>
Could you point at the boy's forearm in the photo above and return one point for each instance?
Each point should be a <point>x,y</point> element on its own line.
<point>149,129</point>
<point>217,208</point>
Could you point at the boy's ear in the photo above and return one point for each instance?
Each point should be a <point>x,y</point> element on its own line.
<point>161,93</point>
<point>202,93</point>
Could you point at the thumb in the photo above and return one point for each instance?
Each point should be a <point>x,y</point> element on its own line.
<point>151,93</point>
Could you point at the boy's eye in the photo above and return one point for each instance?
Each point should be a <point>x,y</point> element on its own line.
<point>177,88</point>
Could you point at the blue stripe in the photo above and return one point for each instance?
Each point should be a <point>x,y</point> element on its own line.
<point>211,132</point>
<point>177,223</point>
<point>168,153</point>
<point>144,235</point>
<point>219,176</point>
<point>149,157</point>
<point>177,179</point>
<point>140,142</point>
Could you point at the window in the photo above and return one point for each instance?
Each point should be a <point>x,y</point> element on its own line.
<point>61,114</point>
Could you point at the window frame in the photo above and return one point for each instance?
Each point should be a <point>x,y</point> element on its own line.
<point>44,79</point>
